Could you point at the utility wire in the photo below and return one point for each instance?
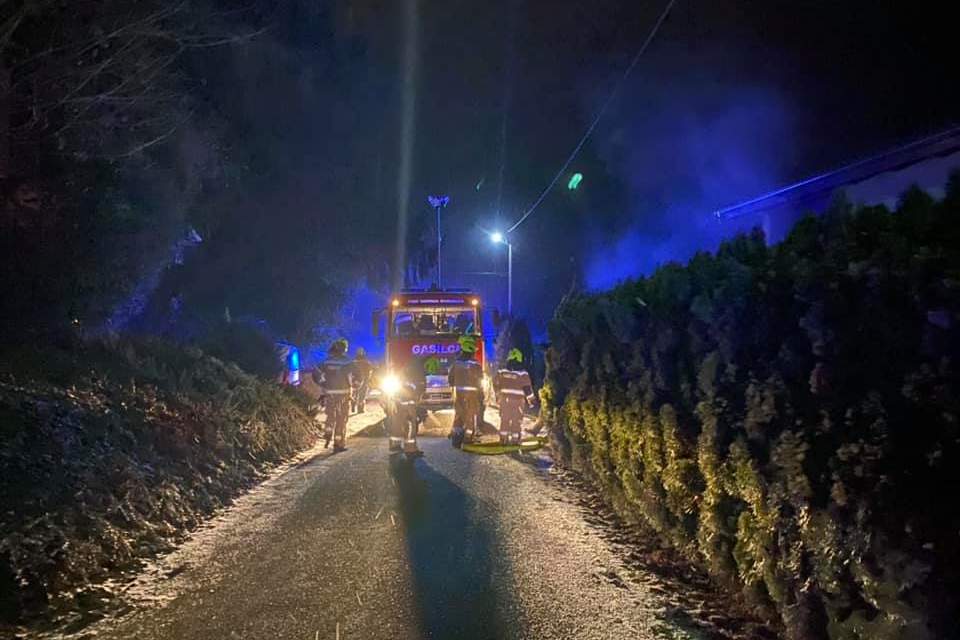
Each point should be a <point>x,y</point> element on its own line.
<point>596,119</point>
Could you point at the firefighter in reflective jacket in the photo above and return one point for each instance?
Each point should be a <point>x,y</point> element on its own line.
<point>466,379</point>
<point>405,421</point>
<point>514,394</point>
<point>335,375</point>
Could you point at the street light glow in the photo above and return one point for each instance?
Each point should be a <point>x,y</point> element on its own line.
<point>496,237</point>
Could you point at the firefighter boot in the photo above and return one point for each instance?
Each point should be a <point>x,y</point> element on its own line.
<point>411,449</point>
<point>477,422</point>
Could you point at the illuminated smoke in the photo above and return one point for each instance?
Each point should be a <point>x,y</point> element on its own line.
<point>682,155</point>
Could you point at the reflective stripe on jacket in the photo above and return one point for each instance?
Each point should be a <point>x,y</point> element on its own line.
<point>513,383</point>
<point>335,374</point>
<point>464,374</point>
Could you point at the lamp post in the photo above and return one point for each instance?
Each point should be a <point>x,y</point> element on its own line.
<point>438,203</point>
<point>498,238</point>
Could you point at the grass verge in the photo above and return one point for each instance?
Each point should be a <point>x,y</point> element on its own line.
<point>110,451</point>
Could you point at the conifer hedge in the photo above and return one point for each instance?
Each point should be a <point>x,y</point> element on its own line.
<point>787,415</point>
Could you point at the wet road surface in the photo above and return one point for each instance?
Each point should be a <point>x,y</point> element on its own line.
<point>365,545</point>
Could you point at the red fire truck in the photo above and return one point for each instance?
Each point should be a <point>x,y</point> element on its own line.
<point>425,324</point>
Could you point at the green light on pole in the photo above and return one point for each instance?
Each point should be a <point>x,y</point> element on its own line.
<point>574,181</point>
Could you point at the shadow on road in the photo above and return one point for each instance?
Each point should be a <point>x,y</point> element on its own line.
<point>376,430</point>
<point>462,583</point>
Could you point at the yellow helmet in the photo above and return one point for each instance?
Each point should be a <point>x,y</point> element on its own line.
<point>515,355</point>
<point>468,344</point>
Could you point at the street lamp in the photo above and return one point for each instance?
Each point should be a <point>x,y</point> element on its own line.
<point>438,203</point>
<point>498,238</point>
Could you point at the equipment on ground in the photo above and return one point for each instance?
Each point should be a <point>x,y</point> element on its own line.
<point>497,448</point>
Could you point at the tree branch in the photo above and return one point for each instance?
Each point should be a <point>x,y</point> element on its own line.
<point>146,145</point>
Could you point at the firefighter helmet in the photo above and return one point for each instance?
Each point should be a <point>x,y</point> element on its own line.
<point>468,344</point>
<point>515,355</point>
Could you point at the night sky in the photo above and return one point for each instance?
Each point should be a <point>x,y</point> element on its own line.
<point>732,99</point>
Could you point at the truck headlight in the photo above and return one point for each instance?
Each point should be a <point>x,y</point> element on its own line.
<point>390,384</point>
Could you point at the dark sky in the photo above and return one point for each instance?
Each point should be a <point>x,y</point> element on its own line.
<point>732,99</point>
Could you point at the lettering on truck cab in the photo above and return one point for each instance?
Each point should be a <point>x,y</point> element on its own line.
<point>435,349</point>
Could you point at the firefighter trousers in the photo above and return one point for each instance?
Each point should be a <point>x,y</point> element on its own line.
<point>338,410</point>
<point>511,416</point>
<point>360,397</point>
<point>466,412</point>
<point>403,426</point>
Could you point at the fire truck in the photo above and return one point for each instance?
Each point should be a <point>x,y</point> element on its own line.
<point>425,324</point>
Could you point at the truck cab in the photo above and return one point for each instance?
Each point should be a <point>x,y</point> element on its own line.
<point>425,324</point>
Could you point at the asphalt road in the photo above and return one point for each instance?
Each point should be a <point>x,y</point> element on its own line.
<point>365,545</point>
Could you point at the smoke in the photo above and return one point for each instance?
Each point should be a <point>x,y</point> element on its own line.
<point>682,153</point>
<point>353,322</point>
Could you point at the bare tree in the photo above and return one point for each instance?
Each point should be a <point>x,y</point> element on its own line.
<point>90,90</point>
<point>99,79</point>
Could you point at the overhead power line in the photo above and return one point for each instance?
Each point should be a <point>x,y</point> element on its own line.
<point>596,119</point>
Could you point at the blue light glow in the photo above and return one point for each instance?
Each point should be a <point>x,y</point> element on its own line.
<point>684,155</point>
<point>354,322</point>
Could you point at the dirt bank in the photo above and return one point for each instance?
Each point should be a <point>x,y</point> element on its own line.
<point>110,452</point>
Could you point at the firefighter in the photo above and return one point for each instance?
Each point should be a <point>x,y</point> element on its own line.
<point>335,375</point>
<point>466,379</point>
<point>405,421</point>
<point>362,372</point>
<point>514,394</point>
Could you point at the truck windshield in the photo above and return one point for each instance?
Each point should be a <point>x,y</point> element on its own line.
<point>434,322</point>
